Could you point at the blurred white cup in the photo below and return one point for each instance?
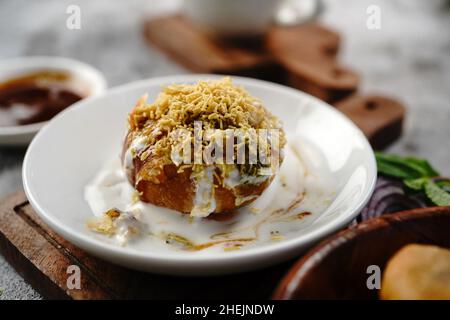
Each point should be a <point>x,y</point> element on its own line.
<point>248,17</point>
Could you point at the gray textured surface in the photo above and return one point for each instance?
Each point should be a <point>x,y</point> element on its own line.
<point>407,58</point>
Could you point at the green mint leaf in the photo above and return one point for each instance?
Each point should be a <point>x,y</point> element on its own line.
<point>423,166</point>
<point>396,169</point>
<point>438,196</point>
<point>415,184</point>
<point>404,168</point>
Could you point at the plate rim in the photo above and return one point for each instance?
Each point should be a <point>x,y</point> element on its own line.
<point>287,247</point>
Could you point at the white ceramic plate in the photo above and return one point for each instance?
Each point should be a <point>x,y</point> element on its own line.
<point>71,149</point>
<point>22,135</point>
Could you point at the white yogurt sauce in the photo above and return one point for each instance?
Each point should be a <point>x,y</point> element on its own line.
<point>299,193</point>
<point>137,145</point>
<point>204,200</point>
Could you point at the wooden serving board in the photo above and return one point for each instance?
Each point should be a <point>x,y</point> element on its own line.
<point>303,57</point>
<point>42,258</point>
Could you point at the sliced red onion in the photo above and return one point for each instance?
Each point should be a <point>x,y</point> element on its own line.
<point>389,196</point>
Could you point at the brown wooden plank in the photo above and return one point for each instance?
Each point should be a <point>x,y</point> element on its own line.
<point>188,45</point>
<point>379,117</point>
<point>308,53</point>
<point>99,270</point>
<point>38,258</point>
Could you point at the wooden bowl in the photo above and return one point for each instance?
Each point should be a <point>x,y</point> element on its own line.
<point>337,267</point>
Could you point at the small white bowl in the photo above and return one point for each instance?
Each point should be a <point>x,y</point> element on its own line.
<point>10,68</point>
<point>67,153</point>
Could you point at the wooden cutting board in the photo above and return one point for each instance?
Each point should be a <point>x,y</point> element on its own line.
<point>303,57</point>
<point>42,257</point>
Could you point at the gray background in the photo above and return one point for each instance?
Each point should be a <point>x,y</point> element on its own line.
<point>407,58</point>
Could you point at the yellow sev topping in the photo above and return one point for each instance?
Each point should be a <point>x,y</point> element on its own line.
<point>218,104</point>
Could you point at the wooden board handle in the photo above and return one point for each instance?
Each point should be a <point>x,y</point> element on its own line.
<point>308,53</point>
<point>380,118</point>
